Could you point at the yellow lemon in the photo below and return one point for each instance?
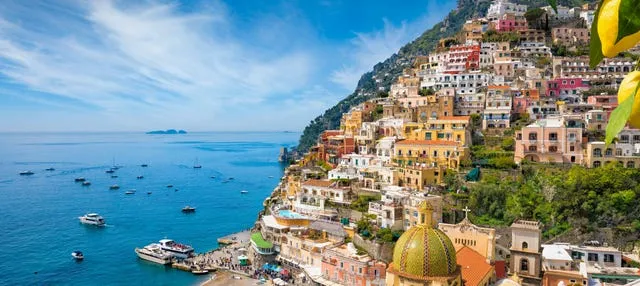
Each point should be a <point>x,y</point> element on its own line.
<point>627,87</point>
<point>608,30</point>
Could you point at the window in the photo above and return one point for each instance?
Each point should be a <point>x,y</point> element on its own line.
<point>341,264</point>
<point>631,164</point>
<point>524,264</point>
<point>592,257</point>
<point>525,245</point>
<point>553,149</point>
<point>596,164</point>
<point>608,152</point>
<point>533,136</point>
<point>624,139</point>
<point>608,258</point>
<point>572,148</point>
<point>618,152</point>
<point>597,152</point>
<point>533,148</point>
<point>553,136</point>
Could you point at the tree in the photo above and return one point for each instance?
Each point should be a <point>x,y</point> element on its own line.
<point>508,144</point>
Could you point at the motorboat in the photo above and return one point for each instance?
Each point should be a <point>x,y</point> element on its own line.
<point>176,190</point>
<point>244,192</point>
<point>178,250</point>
<point>110,171</point>
<point>144,165</point>
<point>26,173</point>
<point>130,192</point>
<point>86,183</point>
<point>50,169</point>
<point>169,186</point>
<point>198,271</point>
<point>79,179</point>
<point>230,179</point>
<point>188,209</point>
<point>114,176</point>
<point>140,177</point>
<point>270,177</point>
<point>154,253</point>
<point>114,187</point>
<point>77,255</point>
<point>148,193</point>
<point>92,219</point>
<point>213,177</point>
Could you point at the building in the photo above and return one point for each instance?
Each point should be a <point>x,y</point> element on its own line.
<point>559,267</point>
<point>344,265</point>
<point>509,22</point>
<point>532,35</point>
<point>534,49</point>
<point>415,264</point>
<point>551,140</point>
<point>597,153</point>
<point>466,234</point>
<point>565,87</point>
<point>501,7</point>
<point>433,153</point>
<point>475,269</point>
<point>497,112</point>
<point>570,36</point>
<point>525,249</point>
<point>609,71</point>
<point>450,128</point>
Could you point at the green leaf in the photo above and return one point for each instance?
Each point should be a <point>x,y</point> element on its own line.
<point>595,54</point>
<point>628,18</point>
<point>554,5</point>
<point>619,117</point>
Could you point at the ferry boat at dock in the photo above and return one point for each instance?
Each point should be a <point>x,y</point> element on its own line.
<point>92,219</point>
<point>154,253</point>
<point>178,250</point>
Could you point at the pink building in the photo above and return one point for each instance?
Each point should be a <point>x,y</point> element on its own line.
<point>520,104</point>
<point>341,264</point>
<point>551,140</point>
<point>561,87</point>
<point>603,101</point>
<point>510,22</point>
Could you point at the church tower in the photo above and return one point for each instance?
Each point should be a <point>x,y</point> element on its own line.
<point>525,250</point>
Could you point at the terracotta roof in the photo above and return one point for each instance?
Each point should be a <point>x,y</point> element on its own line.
<point>318,183</point>
<point>426,142</point>
<point>499,87</point>
<point>473,265</point>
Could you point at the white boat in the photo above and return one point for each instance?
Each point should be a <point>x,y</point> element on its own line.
<point>130,192</point>
<point>77,255</point>
<point>244,191</point>
<point>154,253</point>
<point>92,219</point>
<point>178,250</point>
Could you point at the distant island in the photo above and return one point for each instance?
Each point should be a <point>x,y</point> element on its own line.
<point>168,131</point>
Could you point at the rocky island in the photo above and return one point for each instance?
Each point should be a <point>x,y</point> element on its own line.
<point>168,131</point>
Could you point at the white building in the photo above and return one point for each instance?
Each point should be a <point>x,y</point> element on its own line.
<point>588,17</point>
<point>501,7</point>
<point>534,49</point>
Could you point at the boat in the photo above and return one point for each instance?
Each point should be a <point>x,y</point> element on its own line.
<point>198,271</point>
<point>140,177</point>
<point>176,190</point>
<point>270,177</point>
<point>110,171</point>
<point>92,219</point>
<point>26,173</point>
<point>144,165</point>
<point>196,165</point>
<point>77,255</point>
<point>230,179</point>
<point>114,176</point>
<point>86,183</point>
<point>188,209</point>
<point>154,253</point>
<point>225,181</point>
<point>79,179</point>
<point>148,193</point>
<point>169,186</point>
<point>178,250</point>
<point>213,177</point>
<point>114,187</point>
<point>130,192</point>
<point>244,191</point>
<point>50,169</point>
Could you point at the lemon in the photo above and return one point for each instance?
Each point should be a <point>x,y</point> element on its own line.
<point>627,87</point>
<point>608,30</point>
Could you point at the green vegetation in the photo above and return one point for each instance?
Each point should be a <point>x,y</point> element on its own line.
<point>494,36</point>
<point>256,237</point>
<point>426,91</point>
<point>362,203</point>
<point>387,235</point>
<point>599,91</point>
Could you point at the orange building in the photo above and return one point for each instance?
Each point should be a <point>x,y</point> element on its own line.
<point>341,264</point>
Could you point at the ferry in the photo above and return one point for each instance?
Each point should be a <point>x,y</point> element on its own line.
<point>178,250</point>
<point>77,255</point>
<point>26,173</point>
<point>86,183</point>
<point>92,219</point>
<point>188,209</point>
<point>154,253</point>
<point>50,169</point>
<point>114,187</point>
<point>79,179</point>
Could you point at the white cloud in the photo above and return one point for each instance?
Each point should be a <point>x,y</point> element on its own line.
<point>149,56</point>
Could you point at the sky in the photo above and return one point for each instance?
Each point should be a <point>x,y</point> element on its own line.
<point>214,65</point>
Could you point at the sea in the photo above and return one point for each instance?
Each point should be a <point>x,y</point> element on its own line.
<point>39,226</point>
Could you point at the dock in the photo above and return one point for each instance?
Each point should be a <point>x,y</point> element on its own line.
<point>239,237</point>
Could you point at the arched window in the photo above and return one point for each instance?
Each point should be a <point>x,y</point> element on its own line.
<point>631,164</point>
<point>524,264</point>
<point>596,164</point>
<point>608,152</point>
<point>597,152</point>
<point>525,245</point>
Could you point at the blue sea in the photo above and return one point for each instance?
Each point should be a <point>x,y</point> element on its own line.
<point>39,225</point>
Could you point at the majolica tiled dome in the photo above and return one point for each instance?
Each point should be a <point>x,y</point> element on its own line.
<point>424,252</point>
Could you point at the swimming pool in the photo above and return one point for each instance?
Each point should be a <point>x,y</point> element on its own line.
<point>290,214</point>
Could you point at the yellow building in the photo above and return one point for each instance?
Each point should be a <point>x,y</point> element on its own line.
<point>465,233</point>
<point>449,128</point>
<point>431,153</point>
<point>418,177</point>
<point>424,255</point>
<point>351,122</point>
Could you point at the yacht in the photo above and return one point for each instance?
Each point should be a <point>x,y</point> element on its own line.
<point>178,250</point>
<point>154,253</point>
<point>79,179</point>
<point>169,186</point>
<point>130,192</point>
<point>92,219</point>
<point>114,187</point>
<point>50,169</point>
<point>77,255</point>
<point>188,209</point>
<point>86,183</point>
<point>196,165</point>
<point>26,173</point>
<point>244,191</point>
<point>110,171</point>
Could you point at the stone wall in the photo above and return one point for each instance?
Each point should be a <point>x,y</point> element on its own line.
<point>379,251</point>
<point>353,215</point>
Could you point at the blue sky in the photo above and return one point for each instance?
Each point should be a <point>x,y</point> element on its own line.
<point>73,65</point>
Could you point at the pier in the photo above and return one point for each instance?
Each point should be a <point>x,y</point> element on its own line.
<point>238,237</point>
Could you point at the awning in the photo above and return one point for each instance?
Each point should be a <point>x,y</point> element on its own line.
<point>243,257</point>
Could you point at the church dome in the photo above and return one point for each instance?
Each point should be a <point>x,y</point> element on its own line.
<point>424,252</point>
